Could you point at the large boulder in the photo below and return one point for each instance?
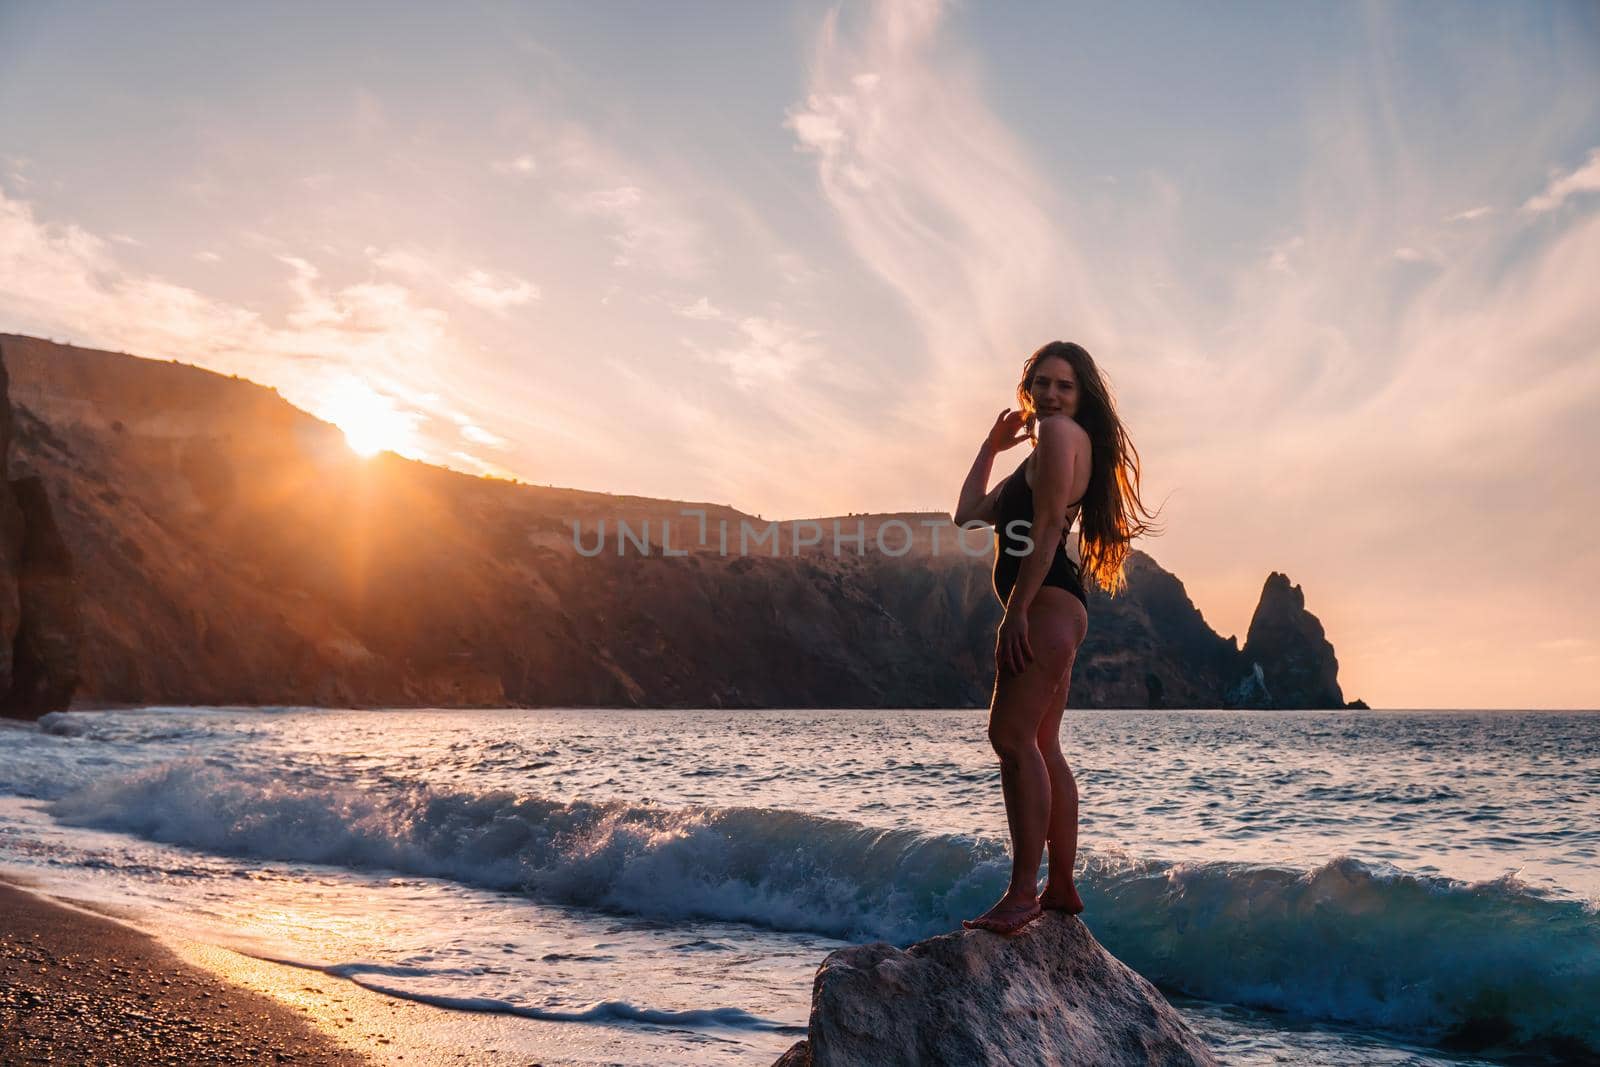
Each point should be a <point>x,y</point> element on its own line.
<point>1050,995</point>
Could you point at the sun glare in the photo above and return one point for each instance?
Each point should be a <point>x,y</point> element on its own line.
<point>370,420</point>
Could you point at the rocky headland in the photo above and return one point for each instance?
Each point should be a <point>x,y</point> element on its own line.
<point>209,543</point>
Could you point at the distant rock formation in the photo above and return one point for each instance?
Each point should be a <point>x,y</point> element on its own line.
<point>1287,645</point>
<point>1050,995</point>
<point>40,625</point>
<point>1149,643</point>
<point>1251,692</point>
<point>235,551</point>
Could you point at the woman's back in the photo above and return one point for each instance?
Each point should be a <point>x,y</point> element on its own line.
<point>1016,503</point>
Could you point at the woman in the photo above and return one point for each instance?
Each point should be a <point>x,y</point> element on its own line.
<point>1083,466</point>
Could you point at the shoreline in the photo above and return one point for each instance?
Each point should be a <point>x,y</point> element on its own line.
<point>77,987</point>
<point>81,983</point>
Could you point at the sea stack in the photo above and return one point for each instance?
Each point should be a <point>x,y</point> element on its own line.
<point>1289,644</point>
<point>1049,995</point>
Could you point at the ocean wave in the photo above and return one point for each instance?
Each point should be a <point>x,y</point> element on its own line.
<point>781,869</point>
<point>1480,965</point>
<point>159,723</point>
<point>1347,941</point>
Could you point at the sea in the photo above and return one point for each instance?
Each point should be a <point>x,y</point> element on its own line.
<point>1373,887</point>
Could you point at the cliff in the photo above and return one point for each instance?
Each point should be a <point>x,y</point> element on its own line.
<point>1050,995</point>
<point>40,627</point>
<point>239,553</point>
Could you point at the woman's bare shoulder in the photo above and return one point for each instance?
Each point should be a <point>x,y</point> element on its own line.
<point>1062,429</point>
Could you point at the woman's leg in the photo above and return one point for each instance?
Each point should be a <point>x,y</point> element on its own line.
<point>1020,703</point>
<point>1024,780</point>
<point>1062,835</point>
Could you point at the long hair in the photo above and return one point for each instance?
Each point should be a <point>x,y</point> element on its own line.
<point>1111,515</point>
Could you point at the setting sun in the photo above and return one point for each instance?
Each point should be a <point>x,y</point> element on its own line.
<point>370,420</point>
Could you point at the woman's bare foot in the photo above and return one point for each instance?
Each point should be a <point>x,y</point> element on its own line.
<point>1006,917</point>
<point>1067,900</point>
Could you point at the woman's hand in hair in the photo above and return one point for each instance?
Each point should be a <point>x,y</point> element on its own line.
<point>1009,430</point>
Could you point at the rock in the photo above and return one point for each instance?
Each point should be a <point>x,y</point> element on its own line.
<point>1251,692</point>
<point>1155,691</point>
<point>44,666</point>
<point>797,1055</point>
<point>40,624</point>
<point>1149,646</point>
<point>1289,644</point>
<point>10,539</point>
<point>1051,995</point>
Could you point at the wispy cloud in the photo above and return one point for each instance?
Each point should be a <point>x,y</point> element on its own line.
<point>1585,179</point>
<point>523,165</point>
<point>939,198</point>
<point>472,464</point>
<point>1280,258</point>
<point>1337,412</point>
<point>366,353</point>
<point>767,352</point>
<point>17,171</point>
<point>481,288</point>
<point>478,435</point>
<point>703,310</point>
<point>484,290</point>
<point>1566,644</point>
<point>650,229</point>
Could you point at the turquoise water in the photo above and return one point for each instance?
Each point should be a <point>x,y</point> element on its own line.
<point>1314,887</point>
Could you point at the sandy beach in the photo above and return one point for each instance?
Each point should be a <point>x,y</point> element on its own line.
<point>81,987</point>
<point>77,988</point>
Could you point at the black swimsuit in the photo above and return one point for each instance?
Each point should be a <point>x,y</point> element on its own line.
<point>1016,502</point>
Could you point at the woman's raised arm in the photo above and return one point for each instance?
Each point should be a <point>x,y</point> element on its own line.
<point>976,504</point>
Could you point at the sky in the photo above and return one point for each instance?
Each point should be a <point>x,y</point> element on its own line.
<point>1339,263</point>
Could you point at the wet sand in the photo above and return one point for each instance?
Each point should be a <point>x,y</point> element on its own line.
<point>76,988</point>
